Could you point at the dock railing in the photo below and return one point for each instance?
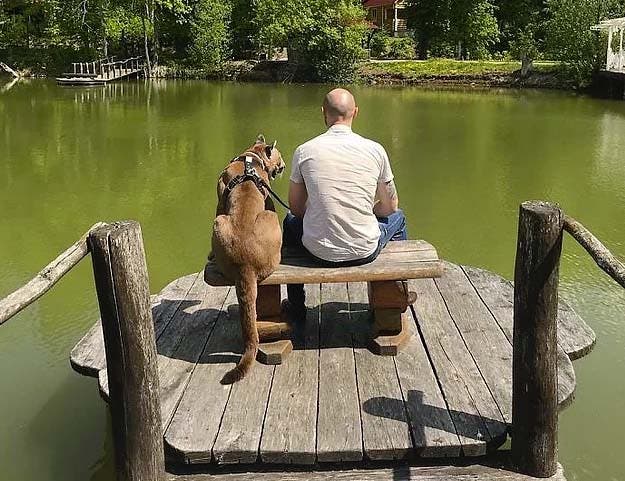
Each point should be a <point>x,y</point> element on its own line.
<point>534,366</point>
<point>106,67</point>
<point>114,69</point>
<point>121,281</point>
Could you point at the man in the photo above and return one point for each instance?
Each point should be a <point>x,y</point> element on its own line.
<point>344,204</point>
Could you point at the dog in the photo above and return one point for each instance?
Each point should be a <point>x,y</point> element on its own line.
<point>247,237</point>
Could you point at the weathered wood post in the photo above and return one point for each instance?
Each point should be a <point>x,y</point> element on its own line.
<point>123,295</point>
<point>535,370</point>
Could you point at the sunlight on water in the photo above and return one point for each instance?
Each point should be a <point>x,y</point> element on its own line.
<point>463,161</point>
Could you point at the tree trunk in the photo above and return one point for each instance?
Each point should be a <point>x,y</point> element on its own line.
<point>146,46</point>
<point>527,65</point>
<point>423,47</point>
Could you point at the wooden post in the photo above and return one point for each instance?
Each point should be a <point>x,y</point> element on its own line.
<point>121,280</point>
<point>535,370</point>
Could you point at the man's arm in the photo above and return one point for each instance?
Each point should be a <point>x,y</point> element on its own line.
<point>298,195</point>
<point>386,197</point>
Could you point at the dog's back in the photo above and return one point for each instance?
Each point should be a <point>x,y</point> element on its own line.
<point>246,243</point>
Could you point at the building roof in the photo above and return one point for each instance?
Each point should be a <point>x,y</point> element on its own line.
<point>377,3</point>
<point>606,24</point>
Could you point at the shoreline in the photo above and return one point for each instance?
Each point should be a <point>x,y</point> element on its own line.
<point>447,74</point>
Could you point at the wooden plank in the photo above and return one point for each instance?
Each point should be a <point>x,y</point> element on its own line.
<point>289,431</point>
<point>183,341</point>
<point>407,260</point>
<point>88,355</point>
<point>195,422</point>
<point>339,433</point>
<point>473,410</point>
<point>172,298</point>
<point>239,436</point>
<point>574,335</point>
<point>433,431</point>
<point>498,295</point>
<point>395,473</point>
<point>385,429</point>
<point>486,342</point>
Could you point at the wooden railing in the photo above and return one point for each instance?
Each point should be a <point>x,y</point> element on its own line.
<point>534,367</point>
<point>106,67</point>
<point>121,281</point>
<point>114,69</point>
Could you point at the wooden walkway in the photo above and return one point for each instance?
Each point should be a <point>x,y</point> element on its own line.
<point>101,72</point>
<point>447,394</point>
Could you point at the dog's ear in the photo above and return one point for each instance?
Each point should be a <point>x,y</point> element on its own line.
<point>260,139</point>
<point>270,148</point>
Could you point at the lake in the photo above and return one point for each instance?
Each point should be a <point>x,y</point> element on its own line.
<point>463,161</point>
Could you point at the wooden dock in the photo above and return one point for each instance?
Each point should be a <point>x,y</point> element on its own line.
<point>448,394</point>
<point>483,362</point>
<point>100,72</point>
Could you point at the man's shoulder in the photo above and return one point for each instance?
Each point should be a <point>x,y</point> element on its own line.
<point>312,142</point>
<point>372,146</point>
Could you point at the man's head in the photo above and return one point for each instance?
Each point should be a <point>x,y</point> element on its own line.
<point>339,107</point>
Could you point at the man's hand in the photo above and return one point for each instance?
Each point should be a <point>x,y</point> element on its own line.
<point>387,201</point>
<point>298,195</point>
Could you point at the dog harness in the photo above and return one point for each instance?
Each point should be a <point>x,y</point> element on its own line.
<point>250,174</point>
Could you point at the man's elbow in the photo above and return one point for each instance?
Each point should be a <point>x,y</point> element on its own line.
<point>385,210</point>
<point>298,211</point>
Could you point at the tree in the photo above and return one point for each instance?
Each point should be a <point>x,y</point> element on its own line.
<point>473,28</point>
<point>210,27</point>
<point>523,27</point>
<point>430,22</point>
<point>570,39</point>
<point>324,37</point>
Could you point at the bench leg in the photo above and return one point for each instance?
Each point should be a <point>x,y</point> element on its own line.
<point>273,329</point>
<point>389,301</point>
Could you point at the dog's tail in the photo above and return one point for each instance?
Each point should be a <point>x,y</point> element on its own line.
<point>247,291</point>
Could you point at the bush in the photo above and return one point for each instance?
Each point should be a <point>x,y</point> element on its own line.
<point>379,44</point>
<point>398,48</point>
<point>401,48</point>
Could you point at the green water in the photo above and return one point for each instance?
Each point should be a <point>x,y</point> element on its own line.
<point>463,161</point>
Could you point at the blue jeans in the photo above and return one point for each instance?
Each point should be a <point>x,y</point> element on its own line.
<point>392,228</point>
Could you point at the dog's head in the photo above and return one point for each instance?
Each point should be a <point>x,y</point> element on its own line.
<point>273,158</point>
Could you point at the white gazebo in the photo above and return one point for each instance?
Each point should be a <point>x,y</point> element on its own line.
<point>615,59</point>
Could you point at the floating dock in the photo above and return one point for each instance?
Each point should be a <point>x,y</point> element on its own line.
<point>447,394</point>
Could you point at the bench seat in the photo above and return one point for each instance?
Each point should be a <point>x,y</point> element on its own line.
<point>400,260</point>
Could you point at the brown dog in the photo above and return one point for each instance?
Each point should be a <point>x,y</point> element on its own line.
<point>247,237</point>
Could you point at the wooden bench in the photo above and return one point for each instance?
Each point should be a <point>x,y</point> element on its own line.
<point>388,294</point>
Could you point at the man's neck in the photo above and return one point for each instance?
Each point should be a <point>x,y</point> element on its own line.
<point>341,125</point>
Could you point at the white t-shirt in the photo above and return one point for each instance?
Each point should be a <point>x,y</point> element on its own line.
<point>341,171</point>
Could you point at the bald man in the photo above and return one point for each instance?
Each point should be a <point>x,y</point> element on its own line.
<point>344,204</point>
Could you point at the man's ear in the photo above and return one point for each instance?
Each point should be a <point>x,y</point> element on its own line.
<point>260,139</point>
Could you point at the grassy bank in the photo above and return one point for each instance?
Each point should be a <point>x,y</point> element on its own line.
<point>444,72</point>
<point>401,72</point>
<point>465,72</point>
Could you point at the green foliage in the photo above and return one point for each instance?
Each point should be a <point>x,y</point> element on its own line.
<point>469,25</point>
<point>524,46</point>
<point>569,36</point>
<point>324,37</point>
<point>210,33</point>
<point>382,45</point>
